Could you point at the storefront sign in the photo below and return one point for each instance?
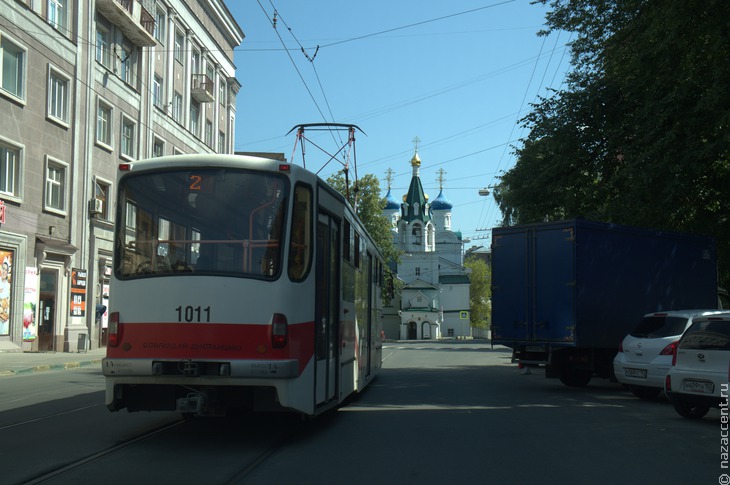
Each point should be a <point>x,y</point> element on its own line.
<point>30,300</point>
<point>6,276</point>
<point>78,292</point>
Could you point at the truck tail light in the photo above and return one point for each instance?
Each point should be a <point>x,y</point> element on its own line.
<point>115,330</point>
<point>279,331</point>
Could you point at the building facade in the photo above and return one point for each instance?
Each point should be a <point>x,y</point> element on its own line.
<point>434,300</point>
<point>87,85</point>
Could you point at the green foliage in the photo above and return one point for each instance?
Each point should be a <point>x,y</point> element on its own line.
<point>641,133</point>
<point>369,209</point>
<point>480,290</point>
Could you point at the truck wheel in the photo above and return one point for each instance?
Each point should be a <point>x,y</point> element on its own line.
<point>689,410</point>
<point>576,377</point>
<point>645,393</point>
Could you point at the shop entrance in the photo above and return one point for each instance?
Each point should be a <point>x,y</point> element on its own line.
<point>47,310</point>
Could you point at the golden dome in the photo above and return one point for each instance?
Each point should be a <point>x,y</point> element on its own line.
<point>416,160</point>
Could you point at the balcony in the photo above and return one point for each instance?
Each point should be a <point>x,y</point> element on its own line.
<point>134,20</point>
<point>202,88</point>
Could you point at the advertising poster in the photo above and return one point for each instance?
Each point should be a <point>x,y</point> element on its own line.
<point>78,292</point>
<point>30,328</point>
<point>6,276</point>
<point>105,302</point>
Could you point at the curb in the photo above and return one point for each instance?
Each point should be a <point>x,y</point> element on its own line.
<point>50,367</point>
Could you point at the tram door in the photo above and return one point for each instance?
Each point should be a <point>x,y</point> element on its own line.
<point>327,298</point>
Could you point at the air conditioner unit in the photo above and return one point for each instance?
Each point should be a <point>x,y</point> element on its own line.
<point>96,206</point>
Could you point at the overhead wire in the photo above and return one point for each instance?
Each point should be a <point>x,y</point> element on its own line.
<point>311,62</point>
<point>294,64</point>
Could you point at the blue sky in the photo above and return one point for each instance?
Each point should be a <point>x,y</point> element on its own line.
<point>457,75</point>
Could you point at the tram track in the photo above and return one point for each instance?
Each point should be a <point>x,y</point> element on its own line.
<point>60,471</point>
<point>280,435</point>
<point>296,430</point>
<point>49,416</point>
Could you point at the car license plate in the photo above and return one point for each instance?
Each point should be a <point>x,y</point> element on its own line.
<point>640,373</point>
<point>700,387</point>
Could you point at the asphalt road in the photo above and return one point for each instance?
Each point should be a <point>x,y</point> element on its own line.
<point>439,412</point>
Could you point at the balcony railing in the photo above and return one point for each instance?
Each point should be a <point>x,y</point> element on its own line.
<point>134,20</point>
<point>202,88</point>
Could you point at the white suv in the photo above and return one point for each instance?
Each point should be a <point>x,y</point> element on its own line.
<point>698,378</point>
<point>645,355</point>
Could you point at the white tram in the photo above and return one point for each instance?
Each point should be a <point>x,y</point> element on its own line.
<point>239,282</point>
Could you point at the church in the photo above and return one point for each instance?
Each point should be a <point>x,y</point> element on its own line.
<point>434,300</point>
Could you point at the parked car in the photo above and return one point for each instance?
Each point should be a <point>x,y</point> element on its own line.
<point>645,355</point>
<point>700,372</point>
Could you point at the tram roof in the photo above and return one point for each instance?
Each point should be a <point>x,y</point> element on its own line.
<point>209,160</point>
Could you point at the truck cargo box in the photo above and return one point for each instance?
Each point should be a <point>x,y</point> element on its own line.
<point>578,283</point>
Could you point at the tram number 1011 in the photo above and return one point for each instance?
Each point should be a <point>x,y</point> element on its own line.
<point>193,314</point>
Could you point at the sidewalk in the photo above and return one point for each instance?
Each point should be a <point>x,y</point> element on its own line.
<point>15,363</point>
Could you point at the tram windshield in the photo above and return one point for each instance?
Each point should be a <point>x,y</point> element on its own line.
<point>203,221</point>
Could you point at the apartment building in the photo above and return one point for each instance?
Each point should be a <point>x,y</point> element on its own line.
<point>84,86</point>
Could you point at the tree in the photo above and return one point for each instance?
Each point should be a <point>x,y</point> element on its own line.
<point>641,133</point>
<point>480,291</point>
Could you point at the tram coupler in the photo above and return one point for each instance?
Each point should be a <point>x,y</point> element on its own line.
<point>191,404</point>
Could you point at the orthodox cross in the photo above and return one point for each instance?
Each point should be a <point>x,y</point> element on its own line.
<point>440,179</point>
<point>389,177</point>
<point>416,141</point>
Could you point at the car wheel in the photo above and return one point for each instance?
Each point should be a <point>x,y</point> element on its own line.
<point>645,392</point>
<point>689,410</point>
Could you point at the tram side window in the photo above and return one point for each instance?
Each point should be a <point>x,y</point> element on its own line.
<point>356,247</point>
<point>300,245</point>
<point>346,242</point>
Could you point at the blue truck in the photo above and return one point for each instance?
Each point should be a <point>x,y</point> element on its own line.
<point>565,293</point>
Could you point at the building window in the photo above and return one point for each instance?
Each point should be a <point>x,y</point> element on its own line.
<point>209,133</point>
<point>57,14</point>
<point>13,67</point>
<point>195,118</point>
<point>9,169</point>
<point>104,124</point>
<point>222,92</point>
<point>416,233</point>
<point>55,197</point>
<point>177,107</point>
<point>221,142</point>
<point>103,45</point>
<point>128,137</point>
<point>418,271</point>
<point>158,147</point>
<point>102,192</point>
<point>58,92</point>
<point>195,62</point>
<point>160,26</point>
<point>129,64</point>
<point>179,42</point>
<point>157,95</point>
